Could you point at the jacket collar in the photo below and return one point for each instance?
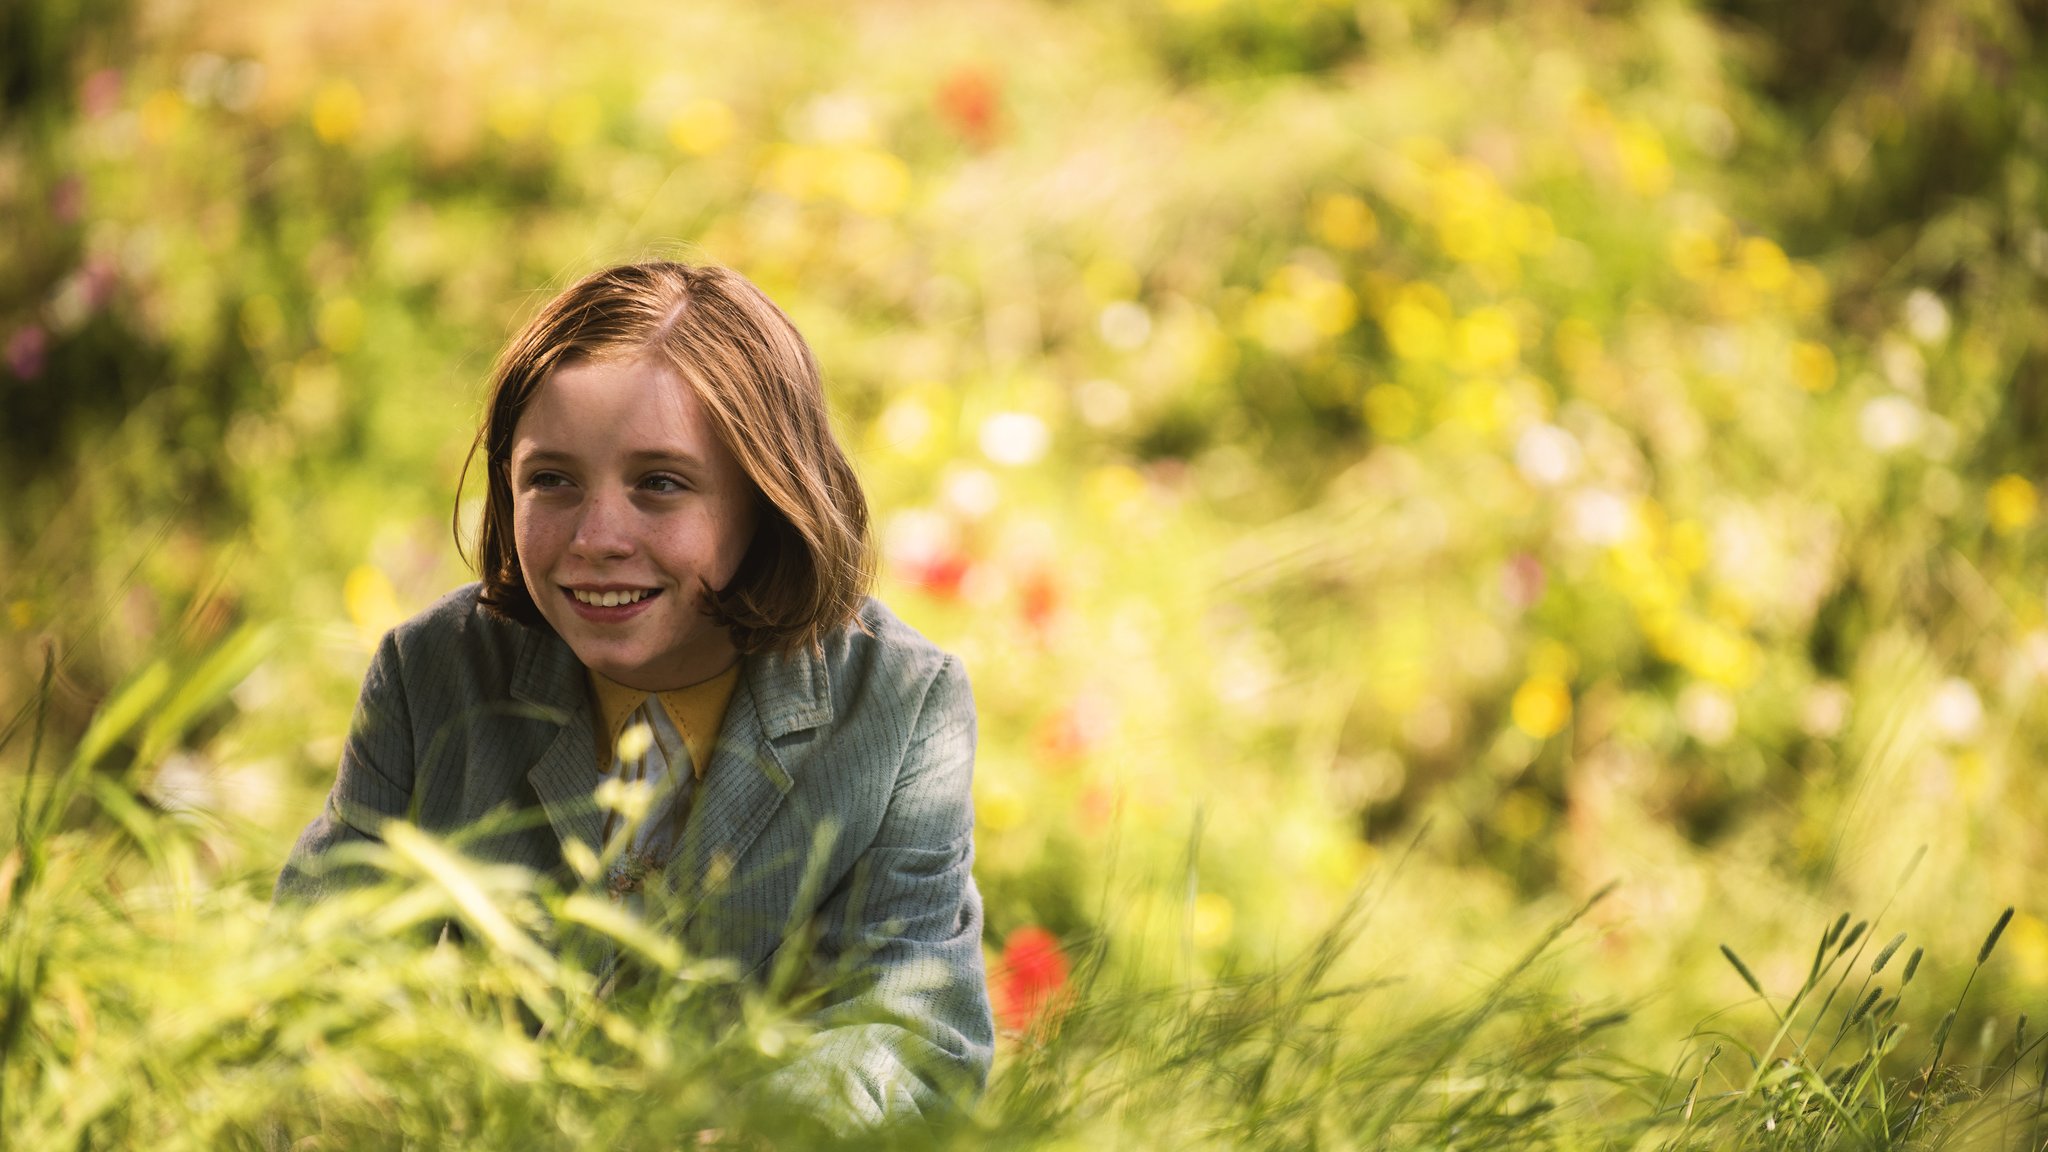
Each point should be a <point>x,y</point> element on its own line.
<point>780,694</point>
<point>792,691</point>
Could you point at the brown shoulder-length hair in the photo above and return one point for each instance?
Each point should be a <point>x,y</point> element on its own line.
<point>808,568</point>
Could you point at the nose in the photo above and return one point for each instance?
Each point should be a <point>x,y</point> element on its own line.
<point>604,530</point>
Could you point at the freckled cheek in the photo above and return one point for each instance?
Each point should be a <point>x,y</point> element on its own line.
<point>537,537</point>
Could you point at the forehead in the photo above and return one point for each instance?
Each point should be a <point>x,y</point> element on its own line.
<point>637,398</point>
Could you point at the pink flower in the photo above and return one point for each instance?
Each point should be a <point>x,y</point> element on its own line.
<point>101,93</point>
<point>27,352</point>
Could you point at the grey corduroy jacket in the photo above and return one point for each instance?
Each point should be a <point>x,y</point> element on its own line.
<point>465,714</point>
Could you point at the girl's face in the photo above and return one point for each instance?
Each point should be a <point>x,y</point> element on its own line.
<point>625,504</point>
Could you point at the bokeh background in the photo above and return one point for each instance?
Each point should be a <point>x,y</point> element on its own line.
<point>1501,448</point>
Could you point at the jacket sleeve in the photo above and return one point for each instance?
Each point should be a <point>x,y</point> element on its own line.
<point>914,1033</point>
<point>373,785</point>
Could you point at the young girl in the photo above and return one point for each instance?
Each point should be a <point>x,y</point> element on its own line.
<point>674,559</point>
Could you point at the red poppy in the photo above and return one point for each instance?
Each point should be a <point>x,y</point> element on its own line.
<point>941,575</point>
<point>968,101</point>
<point>1028,979</point>
<point>1040,599</point>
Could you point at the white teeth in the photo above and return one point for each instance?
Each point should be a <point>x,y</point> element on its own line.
<point>610,599</point>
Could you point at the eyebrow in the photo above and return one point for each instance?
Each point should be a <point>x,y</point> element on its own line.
<point>641,456</point>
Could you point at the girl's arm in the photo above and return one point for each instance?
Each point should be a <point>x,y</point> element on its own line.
<point>914,1031</point>
<point>373,785</point>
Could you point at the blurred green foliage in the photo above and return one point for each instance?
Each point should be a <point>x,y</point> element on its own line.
<point>1605,436</point>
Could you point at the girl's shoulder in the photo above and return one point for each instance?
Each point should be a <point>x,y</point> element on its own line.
<point>875,668</point>
<point>458,631</point>
<point>879,640</point>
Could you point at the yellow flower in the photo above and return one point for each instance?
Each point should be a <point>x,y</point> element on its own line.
<point>1108,280</point>
<point>873,182</point>
<point>1764,266</point>
<point>1417,323</point>
<point>513,113</point>
<point>1688,545</point>
<point>1479,406</point>
<point>1390,411</point>
<point>1645,165</point>
<point>1486,342</point>
<point>2013,502</point>
<point>1212,920</point>
<point>1813,366</point>
<point>794,171</point>
<point>701,127</point>
<point>1541,705</point>
<point>1695,253</point>
<point>1808,292</point>
<point>1115,491</point>
<point>161,114</point>
<point>371,601</point>
<point>1343,221</point>
<point>337,111</point>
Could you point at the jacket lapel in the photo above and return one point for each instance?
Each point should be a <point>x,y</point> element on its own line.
<point>746,781</point>
<point>565,777</point>
<point>743,786</point>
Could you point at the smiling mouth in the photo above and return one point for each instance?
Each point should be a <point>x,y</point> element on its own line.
<point>612,599</point>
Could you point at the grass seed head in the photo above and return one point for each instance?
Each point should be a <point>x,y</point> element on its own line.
<point>1941,1033</point>
<point>1912,966</point>
<point>1864,1008</point>
<point>1742,970</point>
<point>1834,931</point>
<point>1854,935</point>
<point>1884,955</point>
<point>1991,941</point>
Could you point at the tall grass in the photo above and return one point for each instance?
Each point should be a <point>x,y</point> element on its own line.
<point>148,1006</point>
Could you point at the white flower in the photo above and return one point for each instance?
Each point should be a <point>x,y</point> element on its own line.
<point>1825,710</point>
<point>1955,710</point>
<point>1548,455</point>
<point>1600,517</point>
<point>1103,403</point>
<point>1707,714</point>
<point>1014,438</point>
<point>1890,423</point>
<point>1926,317</point>
<point>972,492</point>
<point>1125,325</point>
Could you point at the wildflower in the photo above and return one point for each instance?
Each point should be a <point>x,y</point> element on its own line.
<point>2013,503</point>
<point>1541,705</point>
<point>702,127</point>
<point>27,351</point>
<point>337,112</point>
<point>1956,710</point>
<point>968,101</point>
<point>1014,438</point>
<point>1028,979</point>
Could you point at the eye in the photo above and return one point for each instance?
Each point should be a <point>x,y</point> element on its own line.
<point>545,481</point>
<point>664,482</point>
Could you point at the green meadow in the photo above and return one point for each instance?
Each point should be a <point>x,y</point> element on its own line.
<point>1498,547</point>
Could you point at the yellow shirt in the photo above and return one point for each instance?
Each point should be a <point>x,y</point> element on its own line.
<point>697,711</point>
